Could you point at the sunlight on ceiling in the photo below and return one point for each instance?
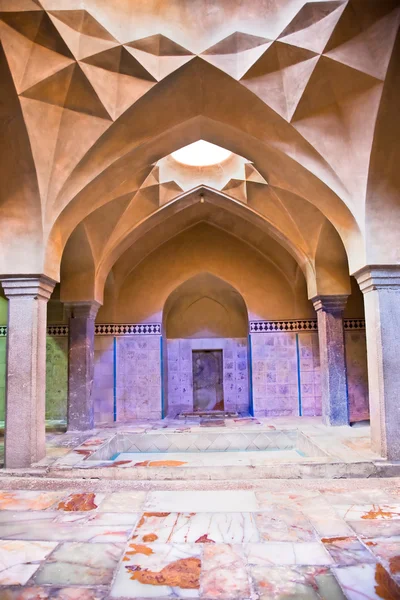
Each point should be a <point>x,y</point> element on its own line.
<point>201,154</point>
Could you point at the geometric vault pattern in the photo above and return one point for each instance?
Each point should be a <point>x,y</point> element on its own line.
<point>87,78</point>
<point>68,59</point>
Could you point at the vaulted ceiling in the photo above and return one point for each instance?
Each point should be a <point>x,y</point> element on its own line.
<point>95,95</point>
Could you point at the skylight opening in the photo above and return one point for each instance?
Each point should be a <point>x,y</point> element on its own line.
<point>201,154</point>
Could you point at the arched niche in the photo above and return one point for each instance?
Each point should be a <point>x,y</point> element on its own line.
<point>205,306</point>
<point>205,351</point>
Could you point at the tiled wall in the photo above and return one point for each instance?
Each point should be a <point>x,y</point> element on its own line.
<point>310,379</point>
<point>103,382</point>
<point>138,378</point>
<point>274,367</point>
<point>180,373</point>
<point>56,378</point>
<point>357,376</point>
<point>275,364</point>
<point>138,390</point>
<point>3,342</point>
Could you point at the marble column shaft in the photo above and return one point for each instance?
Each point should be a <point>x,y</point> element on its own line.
<point>81,365</point>
<point>329,309</point>
<point>26,368</point>
<point>381,288</point>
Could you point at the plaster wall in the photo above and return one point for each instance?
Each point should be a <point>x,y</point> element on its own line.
<point>267,291</point>
<point>235,372</point>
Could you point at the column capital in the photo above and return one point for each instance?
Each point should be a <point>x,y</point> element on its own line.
<point>82,310</point>
<point>330,304</point>
<point>39,286</point>
<point>374,277</point>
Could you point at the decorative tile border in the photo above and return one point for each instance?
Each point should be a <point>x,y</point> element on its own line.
<point>128,329</point>
<point>114,329</point>
<point>57,330</point>
<point>299,325</point>
<point>295,325</point>
<point>354,324</point>
<point>117,329</point>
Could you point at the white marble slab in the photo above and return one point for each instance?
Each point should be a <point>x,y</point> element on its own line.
<point>202,501</point>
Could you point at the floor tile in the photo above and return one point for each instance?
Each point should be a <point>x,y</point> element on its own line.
<point>230,528</point>
<point>224,573</point>
<point>326,522</point>
<point>159,570</point>
<point>27,500</point>
<point>80,564</point>
<point>347,551</point>
<point>379,512</point>
<point>155,527</point>
<point>83,502</point>
<point>359,496</point>
<point>300,583</point>
<point>284,524</point>
<point>50,593</point>
<point>65,532</point>
<point>123,502</point>
<point>286,553</point>
<point>367,582</point>
<point>104,518</point>
<point>202,501</point>
<point>29,516</point>
<point>19,560</point>
<point>387,551</point>
<point>293,499</point>
<point>375,528</point>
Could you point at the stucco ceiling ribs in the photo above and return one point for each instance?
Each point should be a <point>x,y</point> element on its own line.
<point>280,76</point>
<point>37,27</point>
<point>302,96</point>
<point>118,78</point>
<point>357,39</point>
<point>19,5</point>
<point>313,25</point>
<point>83,34</point>
<point>159,55</point>
<point>331,83</point>
<point>236,53</point>
<point>70,89</point>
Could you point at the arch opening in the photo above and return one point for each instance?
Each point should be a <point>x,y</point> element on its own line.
<point>206,350</point>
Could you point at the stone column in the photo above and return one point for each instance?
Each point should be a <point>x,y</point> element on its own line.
<point>26,368</point>
<point>381,288</point>
<point>81,364</point>
<point>329,309</point>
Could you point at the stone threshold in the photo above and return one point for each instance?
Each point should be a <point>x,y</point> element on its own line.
<point>203,475</point>
<point>340,485</point>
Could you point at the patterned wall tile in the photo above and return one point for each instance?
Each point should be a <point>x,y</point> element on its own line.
<point>138,360</point>
<point>310,379</point>
<point>56,377</point>
<point>274,367</point>
<point>357,375</point>
<point>103,380</point>
<point>235,372</point>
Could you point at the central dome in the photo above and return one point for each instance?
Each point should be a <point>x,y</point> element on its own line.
<point>201,154</point>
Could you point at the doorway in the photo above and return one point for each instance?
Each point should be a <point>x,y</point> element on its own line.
<point>208,394</point>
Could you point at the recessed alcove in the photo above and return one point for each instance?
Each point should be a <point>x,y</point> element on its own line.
<point>205,321</point>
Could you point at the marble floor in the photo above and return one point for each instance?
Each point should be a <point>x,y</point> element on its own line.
<point>242,441</point>
<point>323,540</point>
